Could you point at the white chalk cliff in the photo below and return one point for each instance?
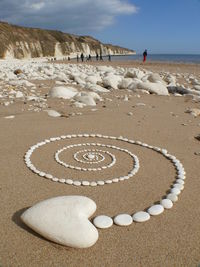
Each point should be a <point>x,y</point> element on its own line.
<point>20,42</point>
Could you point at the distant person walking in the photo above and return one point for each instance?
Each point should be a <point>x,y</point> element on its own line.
<point>145,55</point>
<point>109,57</point>
<point>82,57</point>
<point>101,57</point>
<point>97,56</point>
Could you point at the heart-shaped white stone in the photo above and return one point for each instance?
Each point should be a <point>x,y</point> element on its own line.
<point>64,220</point>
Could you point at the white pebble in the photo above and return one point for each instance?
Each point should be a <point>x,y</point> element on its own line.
<point>155,209</point>
<point>179,186</point>
<point>103,221</point>
<point>62,181</point>
<point>100,182</point>
<point>123,219</point>
<point>172,197</point>
<point>166,203</point>
<point>77,183</point>
<point>93,184</point>
<point>180,181</point>
<point>69,181</point>
<point>175,191</point>
<point>108,181</point>
<point>85,183</point>
<point>141,216</point>
<point>49,176</point>
<point>55,179</point>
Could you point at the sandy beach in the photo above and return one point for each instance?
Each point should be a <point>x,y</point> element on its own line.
<point>170,239</point>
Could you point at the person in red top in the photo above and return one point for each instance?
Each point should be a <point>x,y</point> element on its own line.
<point>145,55</point>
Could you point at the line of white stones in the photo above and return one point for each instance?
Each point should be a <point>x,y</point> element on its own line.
<point>104,221</point>
<point>95,152</point>
<point>77,182</point>
<point>113,158</point>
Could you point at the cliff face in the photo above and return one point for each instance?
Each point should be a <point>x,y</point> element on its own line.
<point>20,42</point>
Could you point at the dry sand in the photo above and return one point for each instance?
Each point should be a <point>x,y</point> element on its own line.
<point>170,239</point>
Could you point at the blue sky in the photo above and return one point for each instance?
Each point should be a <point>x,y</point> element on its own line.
<point>161,26</point>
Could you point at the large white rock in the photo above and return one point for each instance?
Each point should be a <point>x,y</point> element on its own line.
<point>193,111</point>
<point>93,79</point>
<point>64,220</point>
<point>134,73</point>
<point>155,78</point>
<point>156,88</point>
<point>96,88</point>
<point>63,92</point>
<point>85,98</point>
<point>105,69</point>
<point>78,104</point>
<point>170,79</point>
<point>94,95</point>
<point>124,83</point>
<point>53,113</point>
<point>62,77</point>
<point>19,94</point>
<point>111,81</point>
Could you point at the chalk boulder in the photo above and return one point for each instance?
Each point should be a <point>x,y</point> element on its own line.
<point>111,81</point>
<point>124,83</point>
<point>155,78</point>
<point>53,113</point>
<point>19,94</point>
<point>85,98</point>
<point>155,88</point>
<point>62,92</point>
<point>93,79</point>
<point>193,111</point>
<point>134,73</point>
<point>96,88</point>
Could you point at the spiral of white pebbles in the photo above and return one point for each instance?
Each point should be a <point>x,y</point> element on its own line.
<point>93,156</point>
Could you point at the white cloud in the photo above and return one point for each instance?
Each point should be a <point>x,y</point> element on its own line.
<point>78,16</point>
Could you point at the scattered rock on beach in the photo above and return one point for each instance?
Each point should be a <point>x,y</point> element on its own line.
<point>10,117</point>
<point>198,137</point>
<point>85,99</point>
<point>63,92</point>
<point>193,111</point>
<point>156,88</point>
<point>53,113</point>
<point>18,71</point>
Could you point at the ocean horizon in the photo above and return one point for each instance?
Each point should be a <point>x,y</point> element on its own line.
<point>180,58</point>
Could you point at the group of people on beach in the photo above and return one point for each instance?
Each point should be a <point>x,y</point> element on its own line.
<point>89,58</point>
<point>100,57</point>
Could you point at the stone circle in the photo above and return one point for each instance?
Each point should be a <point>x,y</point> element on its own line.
<point>98,156</point>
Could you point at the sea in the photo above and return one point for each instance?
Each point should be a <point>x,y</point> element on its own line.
<point>195,59</point>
